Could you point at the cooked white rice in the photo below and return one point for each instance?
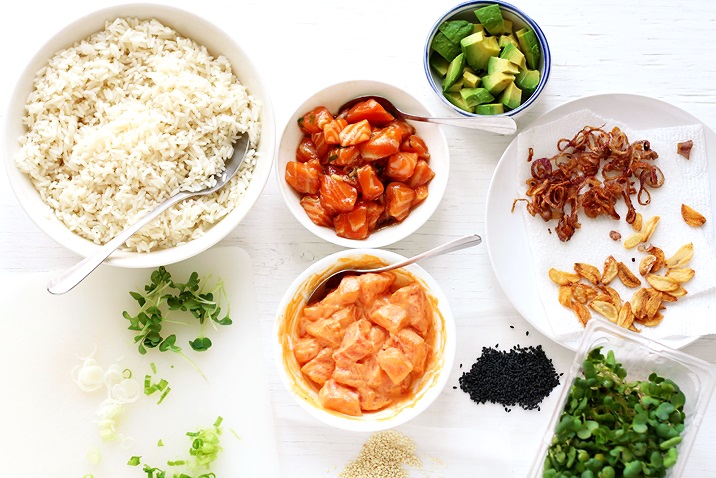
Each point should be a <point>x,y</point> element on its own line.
<point>127,117</point>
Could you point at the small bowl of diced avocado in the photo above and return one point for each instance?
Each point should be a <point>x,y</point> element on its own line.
<point>487,58</point>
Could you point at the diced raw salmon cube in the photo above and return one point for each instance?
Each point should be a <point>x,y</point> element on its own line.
<point>306,150</point>
<point>374,212</point>
<point>314,120</point>
<point>414,347</point>
<point>372,285</point>
<point>349,374</point>
<point>344,156</point>
<point>332,130</point>
<point>369,110</point>
<point>370,185</point>
<point>395,364</point>
<point>401,166</point>
<point>372,400</point>
<point>373,375</point>
<point>316,212</point>
<point>345,316</point>
<point>353,224</point>
<point>306,349</point>
<point>330,331</point>
<point>355,133</point>
<point>321,367</point>
<point>399,200</point>
<point>402,128</point>
<point>336,195</point>
<point>339,398</point>
<point>305,178</point>
<point>390,316</point>
<point>421,194</point>
<point>382,143</point>
<point>415,144</point>
<point>356,343</point>
<point>413,300</point>
<point>422,174</point>
<point>347,292</point>
<point>377,337</point>
<point>322,148</point>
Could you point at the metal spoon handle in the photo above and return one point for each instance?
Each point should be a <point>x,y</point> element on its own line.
<point>494,124</point>
<point>67,280</point>
<point>452,246</point>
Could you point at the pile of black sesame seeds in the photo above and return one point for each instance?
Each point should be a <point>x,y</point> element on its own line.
<point>520,376</point>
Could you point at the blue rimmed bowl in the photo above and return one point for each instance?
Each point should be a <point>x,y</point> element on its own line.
<point>519,19</point>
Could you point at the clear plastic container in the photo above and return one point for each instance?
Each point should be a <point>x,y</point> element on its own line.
<point>640,357</point>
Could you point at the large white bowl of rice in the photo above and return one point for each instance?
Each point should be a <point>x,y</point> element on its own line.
<point>125,107</point>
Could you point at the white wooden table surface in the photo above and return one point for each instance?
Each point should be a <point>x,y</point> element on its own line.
<point>656,48</point>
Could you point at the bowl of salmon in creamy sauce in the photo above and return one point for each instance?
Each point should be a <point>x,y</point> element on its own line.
<point>375,352</point>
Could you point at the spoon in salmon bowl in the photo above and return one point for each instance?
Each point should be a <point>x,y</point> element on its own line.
<point>332,281</point>
<point>493,124</point>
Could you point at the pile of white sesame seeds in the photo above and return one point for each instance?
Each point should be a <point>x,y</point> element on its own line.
<point>384,455</point>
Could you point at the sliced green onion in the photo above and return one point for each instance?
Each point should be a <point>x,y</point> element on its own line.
<point>164,394</point>
<point>94,455</point>
<point>134,461</point>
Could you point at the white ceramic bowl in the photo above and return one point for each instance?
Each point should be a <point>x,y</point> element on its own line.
<point>333,97</point>
<point>464,11</point>
<point>425,391</point>
<point>189,25</point>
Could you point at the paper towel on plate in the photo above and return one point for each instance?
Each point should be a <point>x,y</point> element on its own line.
<point>686,181</point>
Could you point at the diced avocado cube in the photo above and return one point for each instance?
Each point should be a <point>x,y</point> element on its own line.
<point>528,80</point>
<point>513,54</point>
<point>478,49</point>
<point>529,46</point>
<point>456,30</point>
<point>506,26</point>
<point>457,86</point>
<point>444,47</point>
<point>504,40</point>
<point>496,65</point>
<point>470,79</point>
<point>491,18</point>
<point>511,96</point>
<point>490,109</point>
<point>476,96</point>
<point>477,28</point>
<point>456,99</point>
<point>497,82</point>
<point>454,71</point>
<point>439,64</point>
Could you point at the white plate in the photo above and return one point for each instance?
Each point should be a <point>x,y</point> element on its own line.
<point>505,233</point>
<point>49,423</point>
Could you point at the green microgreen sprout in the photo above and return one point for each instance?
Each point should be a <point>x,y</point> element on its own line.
<point>162,297</point>
<point>613,427</point>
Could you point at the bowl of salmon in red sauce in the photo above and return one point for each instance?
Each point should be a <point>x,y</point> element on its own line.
<point>359,177</point>
<point>375,352</point>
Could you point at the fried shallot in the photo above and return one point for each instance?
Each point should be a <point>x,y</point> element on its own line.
<point>592,171</point>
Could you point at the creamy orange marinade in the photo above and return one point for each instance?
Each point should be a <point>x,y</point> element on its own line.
<point>366,343</point>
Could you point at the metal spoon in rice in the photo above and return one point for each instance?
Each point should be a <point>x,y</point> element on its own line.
<point>332,281</point>
<point>67,280</point>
